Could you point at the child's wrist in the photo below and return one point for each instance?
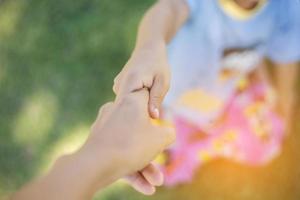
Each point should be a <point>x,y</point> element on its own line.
<point>150,47</point>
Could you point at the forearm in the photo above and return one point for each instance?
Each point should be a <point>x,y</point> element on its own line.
<point>75,177</point>
<point>161,23</point>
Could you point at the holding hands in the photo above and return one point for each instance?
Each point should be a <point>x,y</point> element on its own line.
<point>125,128</point>
<point>123,141</point>
<point>147,68</point>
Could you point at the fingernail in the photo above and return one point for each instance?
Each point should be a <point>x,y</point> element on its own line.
<point>156,113</point>
<point>149,191</point>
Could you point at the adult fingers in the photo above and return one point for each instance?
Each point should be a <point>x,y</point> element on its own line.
<point>140,184</point>
<point>153,175</point>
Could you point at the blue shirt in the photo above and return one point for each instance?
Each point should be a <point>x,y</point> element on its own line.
<point>196,52</point>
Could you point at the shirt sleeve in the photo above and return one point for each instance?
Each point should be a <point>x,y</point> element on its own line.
<point>193,6</point>
<point>284,45</point>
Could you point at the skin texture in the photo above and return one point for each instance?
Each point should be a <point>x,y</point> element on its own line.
<point>104,157</point>
<point>148,67</point>
<point>101,159</point>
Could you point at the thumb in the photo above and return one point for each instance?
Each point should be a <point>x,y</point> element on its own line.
<point>158,91</point>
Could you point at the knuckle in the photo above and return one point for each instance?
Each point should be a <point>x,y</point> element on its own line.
<point>115,90</point>
<point>117,79</point>
<point>105,108</point>
<point>116,84</point>
<point>115,87</point>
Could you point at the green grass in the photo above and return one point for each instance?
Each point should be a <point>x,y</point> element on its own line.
<point>57,64</point>
<point>58,59</point>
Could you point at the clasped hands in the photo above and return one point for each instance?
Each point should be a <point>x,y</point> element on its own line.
<point>124,130</point>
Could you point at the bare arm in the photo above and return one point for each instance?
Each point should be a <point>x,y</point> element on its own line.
<point>148,65</point>
<point>161,22</point>
<point>116,147</point>
<point>72,177</point>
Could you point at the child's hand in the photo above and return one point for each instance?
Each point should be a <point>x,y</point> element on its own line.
<point>147,68</point>
<point>125,132</point>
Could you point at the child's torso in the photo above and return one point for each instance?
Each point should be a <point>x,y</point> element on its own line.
<point>207,45</point>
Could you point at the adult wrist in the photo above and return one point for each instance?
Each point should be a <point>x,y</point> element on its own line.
<point>105,162</point>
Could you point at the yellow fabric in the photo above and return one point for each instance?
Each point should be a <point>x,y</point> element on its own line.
<point>200,101</point>
<point>161,122</point>
<point>161,159</point>
<point>231,8</point>
<point>204,156</point>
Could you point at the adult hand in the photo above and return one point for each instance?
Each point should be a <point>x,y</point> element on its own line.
<point>122,141</point>
<point>147,68</point>
<point>127,127</point>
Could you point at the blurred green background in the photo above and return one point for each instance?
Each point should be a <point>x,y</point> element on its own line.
<point>58,59</point>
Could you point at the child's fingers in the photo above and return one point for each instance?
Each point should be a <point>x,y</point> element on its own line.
<point>153,175</point>
<point>157,93</point>
<point>131,82</point>
<point>129,86</point>
<point>140,184</point>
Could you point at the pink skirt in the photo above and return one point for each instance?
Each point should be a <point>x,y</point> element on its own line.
<point>247,131</point>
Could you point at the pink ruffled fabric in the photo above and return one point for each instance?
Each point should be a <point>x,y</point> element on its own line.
<point>249,132</point>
